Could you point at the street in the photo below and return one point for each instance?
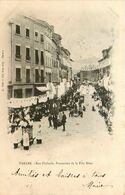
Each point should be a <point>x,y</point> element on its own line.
<point>61,98</point>
<point>84,147</point>
<point>82,134</point>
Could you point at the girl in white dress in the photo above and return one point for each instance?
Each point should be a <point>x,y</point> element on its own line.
<point>16,137</point>
<point>26,140</point>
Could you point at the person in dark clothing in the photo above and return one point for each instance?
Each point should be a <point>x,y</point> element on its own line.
<point>50,120</point>
<point>55,121</point>
<point>37,116</point>
<point>64,121</point>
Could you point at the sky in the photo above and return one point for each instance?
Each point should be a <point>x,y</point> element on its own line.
<point>86,28</point>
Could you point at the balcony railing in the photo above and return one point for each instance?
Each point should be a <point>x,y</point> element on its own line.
<point>18,57</point>
<point>28,58</point>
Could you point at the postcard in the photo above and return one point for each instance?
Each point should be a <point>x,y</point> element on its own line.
<point>62,92</point>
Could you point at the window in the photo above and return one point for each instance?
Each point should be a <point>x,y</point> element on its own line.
<point>42,38</point>
<point>18,74</point>
<point>49,77</point>
<point>18,93</point>
<point>27,32</point>
<point>36,75</point>
<point>42,76</point>
<point>18,29</point>
<point>36,34</point>
<point>28,93</point>
<point>36,57</point>
<point>42,58</point>
<point>27,75</point>
<point>28,54</point>
<point>18,51</point>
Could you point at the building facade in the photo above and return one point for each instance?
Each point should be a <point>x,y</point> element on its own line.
<point>34,58</point>
<point>56,71</point>
<point>96,72</point>
<point>65,64</point>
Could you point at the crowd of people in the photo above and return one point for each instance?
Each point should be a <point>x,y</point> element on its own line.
<point>23,122</point>
<point>106,108</point>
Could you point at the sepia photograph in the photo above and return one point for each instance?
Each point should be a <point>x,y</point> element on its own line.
<point>54,90</point>
<point>60,81</point>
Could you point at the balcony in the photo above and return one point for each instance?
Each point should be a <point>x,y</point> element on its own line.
<point>18,34</point>
<point>18,57</point>
<point>27,37</point>
<point>28,59</point>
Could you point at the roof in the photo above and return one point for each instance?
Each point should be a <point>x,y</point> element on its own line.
<point>41,22</point>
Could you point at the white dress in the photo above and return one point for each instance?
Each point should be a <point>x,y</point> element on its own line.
<point>16,137</point>
<point>35,127</point>
<point>25,139</point>
<point>39,135</point>
<point>19,133</point>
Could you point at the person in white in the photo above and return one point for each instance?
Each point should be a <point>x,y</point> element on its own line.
<point>39,135</point>
<point>27,117</point>
<point>15,138</point>
<point>25,140</point>
<point>20,133</point>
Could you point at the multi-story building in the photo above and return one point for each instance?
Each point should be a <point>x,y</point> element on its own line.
<point>65,64</point>
<point>97,71</point>
<point>105,62</point>
<point>27,70</point>
<point>35,56</point>
<point>56,63</point>
<point>63,56</point>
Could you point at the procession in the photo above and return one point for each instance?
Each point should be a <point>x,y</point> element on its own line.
<point>26,124</point>
<point>50,90</point>
<point>62,97</point>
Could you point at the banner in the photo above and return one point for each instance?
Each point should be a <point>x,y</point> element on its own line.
<point>26,102</point>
